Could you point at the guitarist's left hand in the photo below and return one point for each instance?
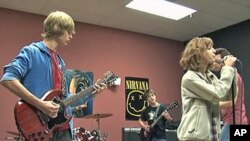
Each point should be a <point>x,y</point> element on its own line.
<point>167,116</point>
<point>99,86</point>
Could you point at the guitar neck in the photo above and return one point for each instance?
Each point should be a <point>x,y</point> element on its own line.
<point>85,93</point>
<point>158,118</point>
<point>171,106</point>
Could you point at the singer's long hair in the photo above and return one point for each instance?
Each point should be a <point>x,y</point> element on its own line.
<point>195,56</point>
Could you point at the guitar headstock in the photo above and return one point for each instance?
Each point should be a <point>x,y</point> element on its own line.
<point>172,105</point>
<point>110,78</point>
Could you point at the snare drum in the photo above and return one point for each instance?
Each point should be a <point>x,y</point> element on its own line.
<point>95,135</point>
<point>79,134</point>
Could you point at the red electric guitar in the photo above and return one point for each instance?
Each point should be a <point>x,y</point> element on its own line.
<point>37,126</point>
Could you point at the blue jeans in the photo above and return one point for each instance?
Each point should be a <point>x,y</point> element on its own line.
<point>225,133</point>
<point>154,139</point>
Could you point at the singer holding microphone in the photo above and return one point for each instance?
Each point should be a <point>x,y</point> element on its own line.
<point>231,114</point>
<point>201,91</point>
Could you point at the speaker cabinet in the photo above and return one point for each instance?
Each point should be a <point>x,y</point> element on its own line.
<point>133,134</point>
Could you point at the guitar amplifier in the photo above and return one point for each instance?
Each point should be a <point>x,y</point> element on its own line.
<point>133,134</point>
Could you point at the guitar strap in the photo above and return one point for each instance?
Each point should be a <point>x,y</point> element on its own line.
<point>64,89</point>
<point>156,115</point>
<point>157,110</point>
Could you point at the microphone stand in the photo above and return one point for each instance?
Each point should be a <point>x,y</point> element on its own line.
<point>233,105</point>
<point>233,94</point>
<point>233,90</point>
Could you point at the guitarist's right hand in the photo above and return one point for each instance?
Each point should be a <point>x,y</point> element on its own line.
<point>49,108</point>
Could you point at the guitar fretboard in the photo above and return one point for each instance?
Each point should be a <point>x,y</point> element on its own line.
<point>86,93</point>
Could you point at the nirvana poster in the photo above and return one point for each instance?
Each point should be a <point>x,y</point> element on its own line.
<point>76,81</point>
<point>134,89</point>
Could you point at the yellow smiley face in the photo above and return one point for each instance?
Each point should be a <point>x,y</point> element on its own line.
<point>135,103</point>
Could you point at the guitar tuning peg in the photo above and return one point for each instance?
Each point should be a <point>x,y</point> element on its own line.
<point>111,83</point>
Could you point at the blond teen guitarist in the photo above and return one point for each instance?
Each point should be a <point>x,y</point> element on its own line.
<point>36,76</point>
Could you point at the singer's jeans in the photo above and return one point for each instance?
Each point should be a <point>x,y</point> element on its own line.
<point>225,133</point>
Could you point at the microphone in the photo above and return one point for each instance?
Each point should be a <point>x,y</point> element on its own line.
<point>225,58</point>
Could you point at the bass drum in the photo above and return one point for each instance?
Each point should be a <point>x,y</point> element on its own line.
<point>81,134</point>
<point>95,135</point>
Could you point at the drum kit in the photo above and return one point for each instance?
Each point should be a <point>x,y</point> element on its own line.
<point>16,136</point>
<point>81,134</point>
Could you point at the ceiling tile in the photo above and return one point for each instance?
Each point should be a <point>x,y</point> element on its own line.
<point>208,21</point>
<point>241,2</point>
<point>232,12</point>
<point>212,15</point>
<point>197,4</point>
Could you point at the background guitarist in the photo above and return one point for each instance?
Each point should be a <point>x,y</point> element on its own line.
<point>154,110</point>
<point>38,68</point>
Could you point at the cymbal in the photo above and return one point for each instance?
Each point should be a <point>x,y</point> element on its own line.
<point>13,133</point>
<point>97,116</point>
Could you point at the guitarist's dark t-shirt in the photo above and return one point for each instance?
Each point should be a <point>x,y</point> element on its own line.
<point>149,115</point>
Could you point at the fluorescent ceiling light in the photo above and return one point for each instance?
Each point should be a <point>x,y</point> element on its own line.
<point>161,8</point>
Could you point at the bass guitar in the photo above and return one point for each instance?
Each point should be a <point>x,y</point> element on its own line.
<point>37,126</point>
<point>147,135</point>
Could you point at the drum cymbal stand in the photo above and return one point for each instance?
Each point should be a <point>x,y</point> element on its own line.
<point>99,136</point>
